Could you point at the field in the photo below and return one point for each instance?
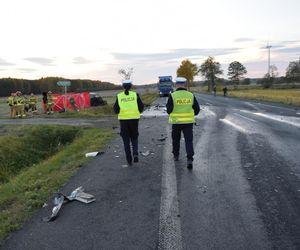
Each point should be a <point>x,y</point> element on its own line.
<point>290,96</point>
<point>286,96</point>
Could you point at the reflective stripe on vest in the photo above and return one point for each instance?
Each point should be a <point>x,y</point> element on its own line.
<point>128,106</point>
<point>183,111</point>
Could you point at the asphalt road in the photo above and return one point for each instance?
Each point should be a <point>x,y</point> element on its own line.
<point>243,193</point>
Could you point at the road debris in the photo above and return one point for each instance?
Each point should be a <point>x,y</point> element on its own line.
<point>162,139</point>
<point>78,194</point>
<point>146,153</point>
<point>93,154</point>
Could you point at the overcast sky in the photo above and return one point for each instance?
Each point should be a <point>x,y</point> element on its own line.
<point>92,39</point>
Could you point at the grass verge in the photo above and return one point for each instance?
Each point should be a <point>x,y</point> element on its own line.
<point>286,96</point>
<point>23,194</point>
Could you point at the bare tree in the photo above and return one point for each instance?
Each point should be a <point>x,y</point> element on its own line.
<point>126,73</point>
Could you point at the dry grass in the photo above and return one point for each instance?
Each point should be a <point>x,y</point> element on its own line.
<point>286,96</point>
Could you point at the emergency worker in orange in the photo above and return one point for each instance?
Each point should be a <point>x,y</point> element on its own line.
<point>129,107</point>
<point>182,106</point>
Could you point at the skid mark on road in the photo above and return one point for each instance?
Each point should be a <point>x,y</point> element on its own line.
<point>224,206</point>
<point>294,121</point>
<point>234,125</point>
<point>169,221</point>
<point>247,118</point>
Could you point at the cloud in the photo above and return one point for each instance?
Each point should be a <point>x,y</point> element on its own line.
<point>5,63</point>
<point>174,54</point>
<point>41,60</point>
<point>295,50</point>
<point>244,39</point>
<point>26,70</point>
<point>81,60</point>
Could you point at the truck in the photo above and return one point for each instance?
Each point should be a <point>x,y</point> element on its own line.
<point>165,85</point>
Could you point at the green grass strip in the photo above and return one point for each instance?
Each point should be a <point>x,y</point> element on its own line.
<point>26,193</point>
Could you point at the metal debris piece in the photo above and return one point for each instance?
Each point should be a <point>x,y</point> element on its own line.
<point>58,201</point>
<point>93,154</point>
<point>78,194</point>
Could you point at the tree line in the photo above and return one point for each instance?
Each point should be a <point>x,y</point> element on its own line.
<point>11,85</point>
<point>210,69</point>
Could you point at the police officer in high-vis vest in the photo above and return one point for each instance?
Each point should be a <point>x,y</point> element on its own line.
<point>129,106</point>
<point>182,106</point>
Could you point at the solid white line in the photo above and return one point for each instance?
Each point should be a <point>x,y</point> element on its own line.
<point>169,221</point>
<point>239,128</point>
<point>245,117</point>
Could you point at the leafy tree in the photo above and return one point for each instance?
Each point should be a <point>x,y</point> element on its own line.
<point>293,71</point>
<point>188,70</point>
<point>210,69</point>
<point>126,73</point>
<point>236,71</point>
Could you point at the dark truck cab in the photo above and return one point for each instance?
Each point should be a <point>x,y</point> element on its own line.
<point>165,85</point>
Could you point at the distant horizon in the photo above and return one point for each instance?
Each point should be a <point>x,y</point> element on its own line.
<point>94,39</point>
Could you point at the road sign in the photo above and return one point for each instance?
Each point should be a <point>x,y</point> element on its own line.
<point>64,83</point>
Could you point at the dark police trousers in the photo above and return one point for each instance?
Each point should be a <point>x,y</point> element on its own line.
<point>129,133</point>
<point>187,130</point>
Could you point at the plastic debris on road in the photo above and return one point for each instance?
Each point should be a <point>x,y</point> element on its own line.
<point>93,154</point>
<point>78,194</point>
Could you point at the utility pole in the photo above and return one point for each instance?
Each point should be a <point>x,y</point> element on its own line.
<point>269,48</point>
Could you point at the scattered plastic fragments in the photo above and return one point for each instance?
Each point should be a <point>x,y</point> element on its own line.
<point>93,154</point>
<point>146,153</point>
<point>78,194</point>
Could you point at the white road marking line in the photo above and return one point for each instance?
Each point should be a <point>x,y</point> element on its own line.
<point>278,118</point>
<point>169,221</point>
<point>245,117</point>
<point>297,113</point>
<point>239,128</point>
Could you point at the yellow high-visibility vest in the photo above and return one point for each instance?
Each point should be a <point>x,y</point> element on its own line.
<point>10,100</point>
<point>183,112</point>
<point>128,106</point>
<point>32,99</point>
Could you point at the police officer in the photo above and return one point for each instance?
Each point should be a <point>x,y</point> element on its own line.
<point>182,106</point>
<point>129,106</point>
